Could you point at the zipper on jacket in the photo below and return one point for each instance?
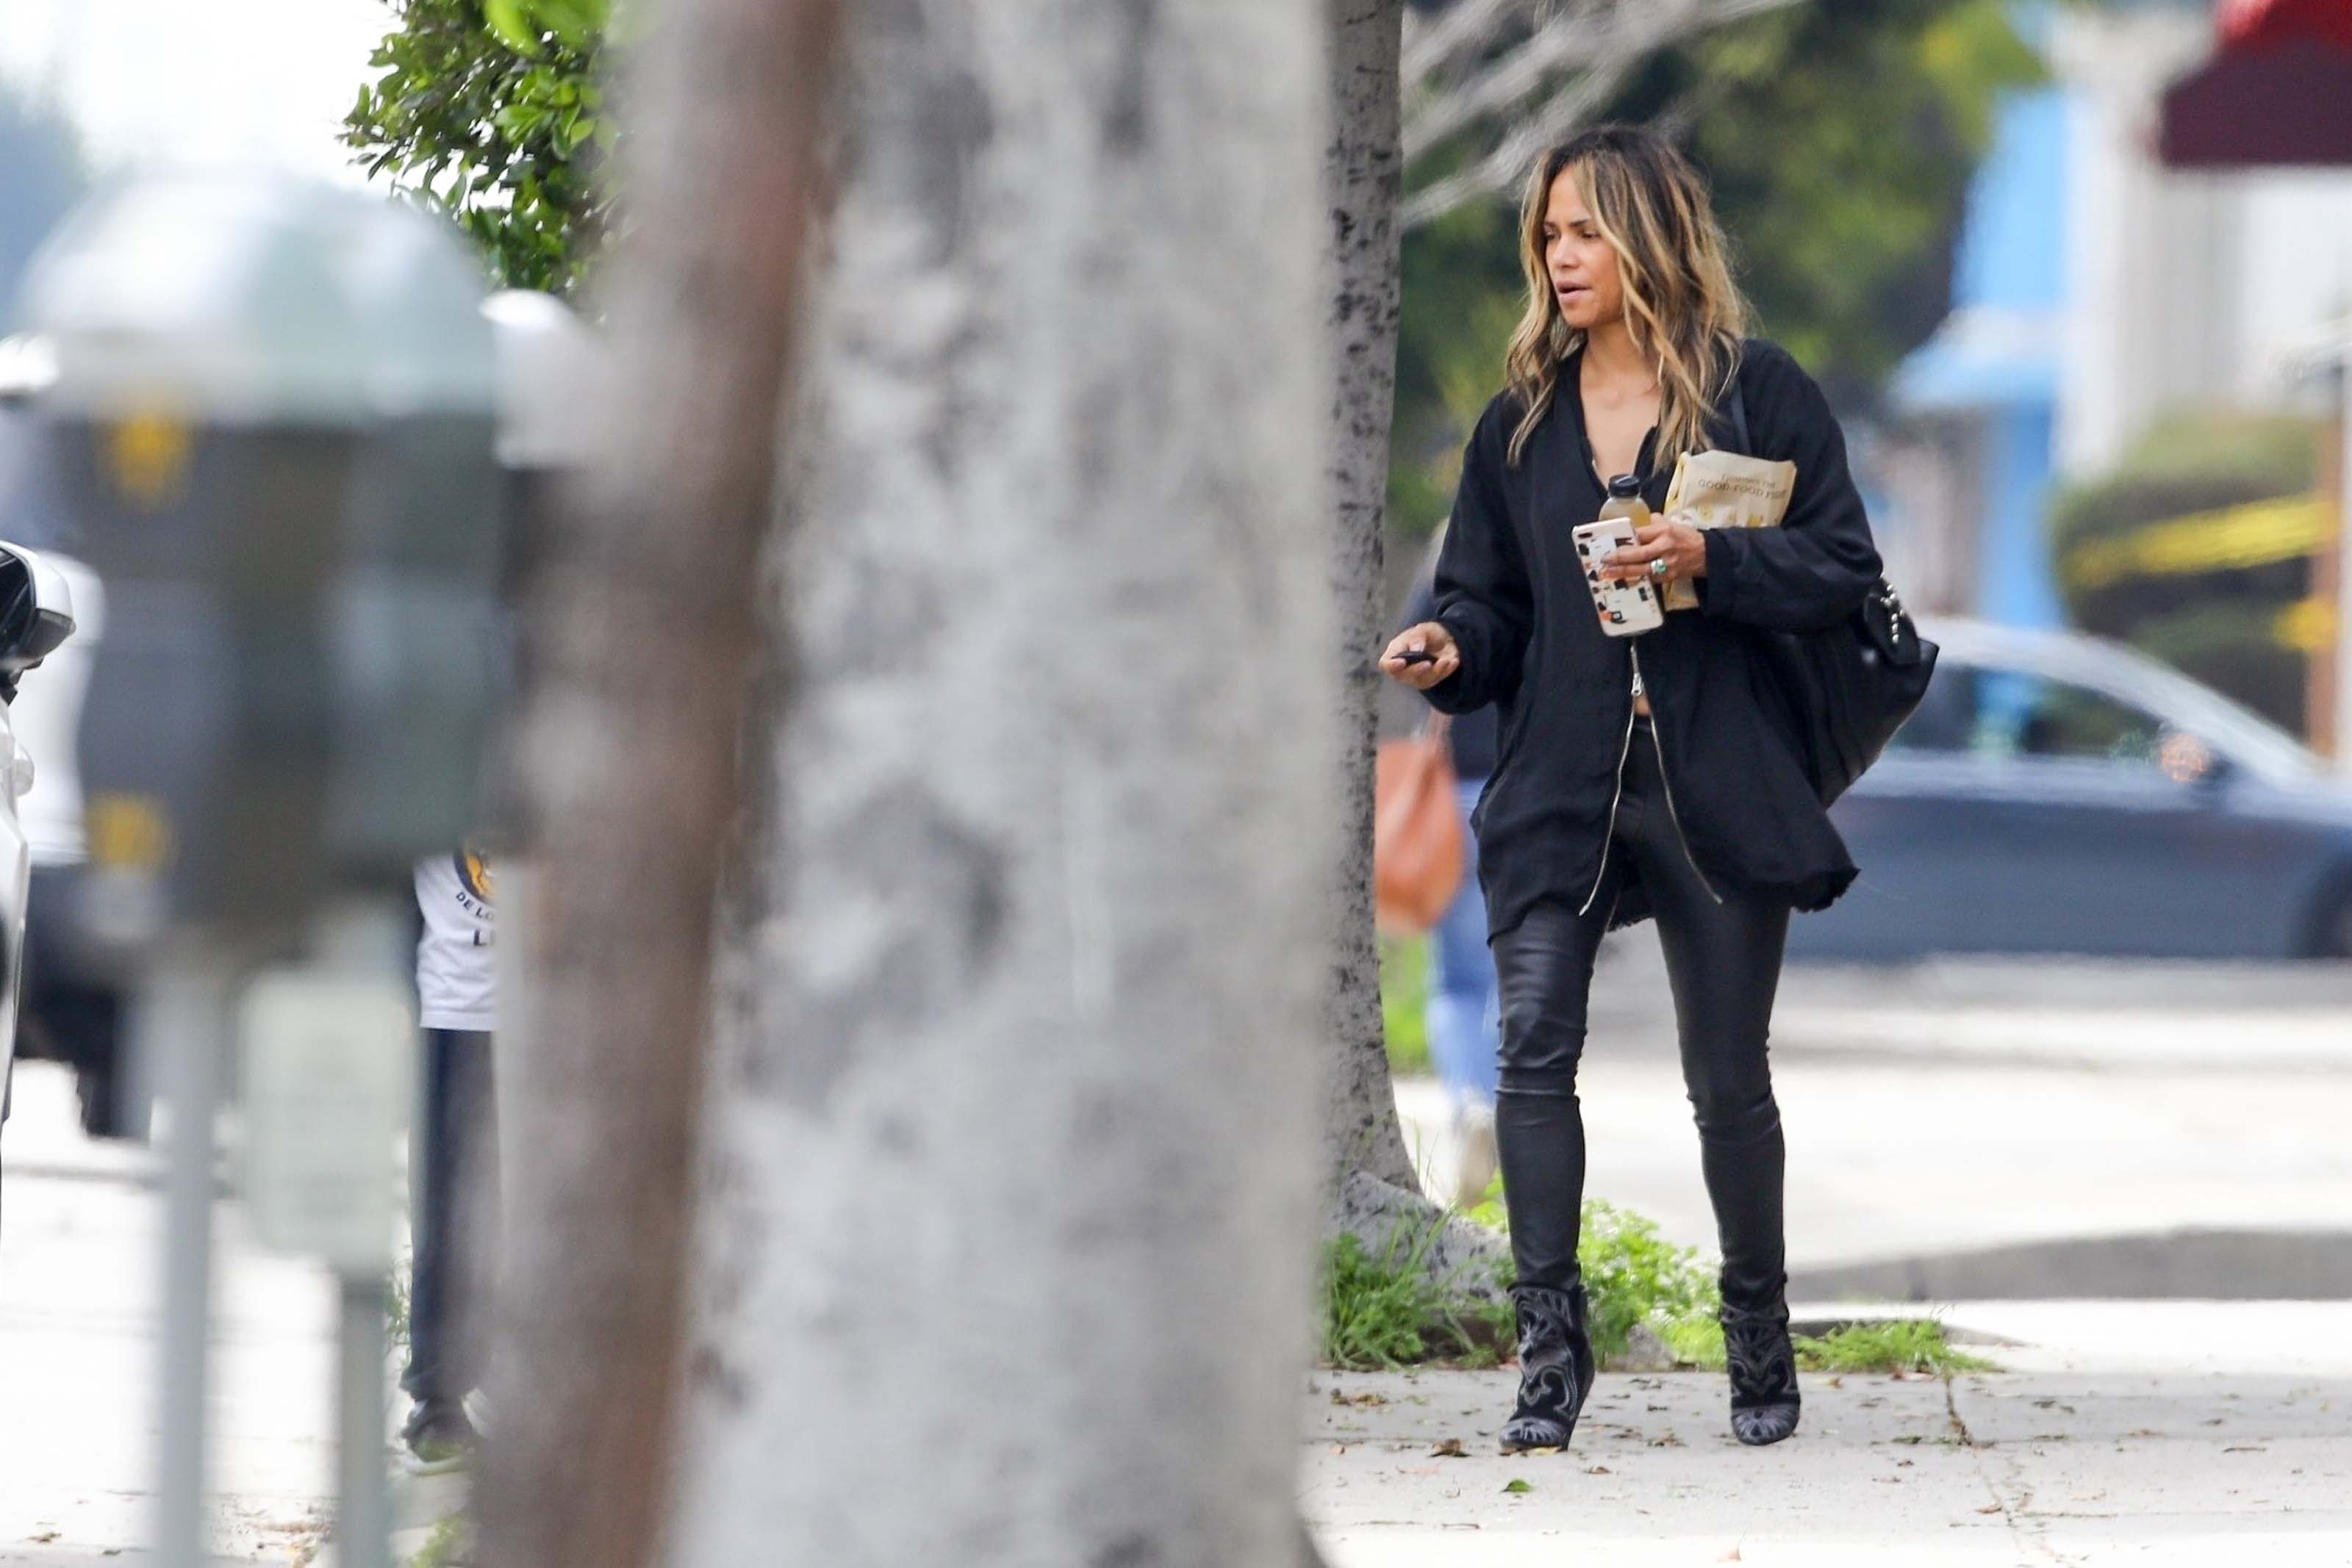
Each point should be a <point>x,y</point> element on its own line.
<point>1609,835</point>
<point>1667,785</point>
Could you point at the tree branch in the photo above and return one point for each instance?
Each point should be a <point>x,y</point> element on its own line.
<point>1609,47</point>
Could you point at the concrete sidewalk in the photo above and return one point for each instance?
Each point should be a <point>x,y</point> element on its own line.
<point>2017,1128</point>
<point>2146,1432</point>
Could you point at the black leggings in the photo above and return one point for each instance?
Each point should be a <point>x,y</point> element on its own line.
<point>1723,962</point>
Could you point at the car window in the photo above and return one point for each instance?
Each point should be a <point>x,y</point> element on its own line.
<point>2035,718</point>
<point>1946,716</point>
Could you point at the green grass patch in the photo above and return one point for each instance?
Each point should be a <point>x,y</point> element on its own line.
<point>1896,1344</point>
<point>1404,1003</point>
<point>1387,1309</point>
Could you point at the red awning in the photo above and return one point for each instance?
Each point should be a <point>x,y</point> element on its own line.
<point>2277,92</point>
<point>2249,23</point>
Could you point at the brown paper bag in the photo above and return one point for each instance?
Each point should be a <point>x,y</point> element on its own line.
<point>1724,490</point>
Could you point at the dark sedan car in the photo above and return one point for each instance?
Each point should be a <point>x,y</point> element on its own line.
<point>2058,794</point>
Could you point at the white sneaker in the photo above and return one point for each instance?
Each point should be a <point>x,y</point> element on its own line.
<point>477,1406</point>
<point>1474,1154</point>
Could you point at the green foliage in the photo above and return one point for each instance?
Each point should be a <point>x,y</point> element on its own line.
<point>2190,462</point>
<point>1840,137</point>
<point>492,111</point>
<point>1633,1275</point>
<point>2224,626</point>
<point>1389,1309</point>
<point>1404,1002</point>
<point>1896,1344</point>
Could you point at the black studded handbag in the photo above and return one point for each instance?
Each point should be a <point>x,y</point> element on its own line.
<point>1851,687</point>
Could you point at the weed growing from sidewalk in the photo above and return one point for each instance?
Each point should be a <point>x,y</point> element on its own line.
<point>1896,1344</point>
<point>1900,1344</point>
<point>1387,1309</point>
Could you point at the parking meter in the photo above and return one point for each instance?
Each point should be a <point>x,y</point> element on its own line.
<point>271,406</point>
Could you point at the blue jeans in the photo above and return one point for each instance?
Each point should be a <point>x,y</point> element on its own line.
<point>453,1163</point>
<point>1464,1013</point>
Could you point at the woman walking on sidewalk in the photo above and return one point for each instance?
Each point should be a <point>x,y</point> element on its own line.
<point>1637,776</point>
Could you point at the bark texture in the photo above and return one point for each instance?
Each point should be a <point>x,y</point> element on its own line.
<point>641,623</point>
<point>1010,1202</point>
<point>1363,180</point>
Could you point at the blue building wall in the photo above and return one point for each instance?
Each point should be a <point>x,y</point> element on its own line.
<point>1993,368</point>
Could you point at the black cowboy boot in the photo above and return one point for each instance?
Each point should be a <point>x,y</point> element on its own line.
<point>1556,1367</point>
<point>1763,1366</point>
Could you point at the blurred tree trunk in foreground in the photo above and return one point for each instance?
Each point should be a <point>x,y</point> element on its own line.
<point>1011,1203</point>
<point>642,624</point>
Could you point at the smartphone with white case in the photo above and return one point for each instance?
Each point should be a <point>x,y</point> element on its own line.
<point>1626,609</point>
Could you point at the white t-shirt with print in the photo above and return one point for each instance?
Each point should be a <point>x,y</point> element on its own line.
<point>454,958</point>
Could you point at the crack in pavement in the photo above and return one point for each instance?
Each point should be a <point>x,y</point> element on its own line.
<point>2029,1534</point>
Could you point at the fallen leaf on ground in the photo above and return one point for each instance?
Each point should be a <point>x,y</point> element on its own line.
<point>1599,1470</point>
<point>43,1537</point>
<point>1516,1485</point>
<point>2246,1449</point>
<point>1989,1508</point>
<point>1450,1449</point>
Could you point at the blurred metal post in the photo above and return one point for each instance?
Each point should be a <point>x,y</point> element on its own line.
<point>363,1513</point>
<point>181,1027</point>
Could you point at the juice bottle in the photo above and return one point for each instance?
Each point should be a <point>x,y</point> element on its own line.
<point>1625,501</point>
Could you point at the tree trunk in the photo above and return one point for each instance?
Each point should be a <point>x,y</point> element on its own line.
<point>1363,181</point>
<point>1009,1210</point>
<point>641,623</point>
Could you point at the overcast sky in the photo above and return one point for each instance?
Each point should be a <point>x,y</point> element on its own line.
<point>199,80</point>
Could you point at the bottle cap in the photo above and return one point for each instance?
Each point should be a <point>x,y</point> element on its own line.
<point>1625,486</point>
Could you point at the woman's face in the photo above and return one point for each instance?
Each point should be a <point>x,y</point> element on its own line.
<point>1582,266</point>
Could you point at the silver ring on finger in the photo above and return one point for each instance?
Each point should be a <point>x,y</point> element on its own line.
<point>1658,567</point>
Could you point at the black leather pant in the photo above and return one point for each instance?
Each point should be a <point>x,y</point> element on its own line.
<point>1723,963</point>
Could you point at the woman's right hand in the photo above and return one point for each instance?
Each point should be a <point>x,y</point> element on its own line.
<point>1432,638</point>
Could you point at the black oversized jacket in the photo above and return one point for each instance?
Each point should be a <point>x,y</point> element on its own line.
<point>1511,591</point>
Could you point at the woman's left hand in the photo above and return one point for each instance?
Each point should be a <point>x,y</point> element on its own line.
<point>1682,547</point>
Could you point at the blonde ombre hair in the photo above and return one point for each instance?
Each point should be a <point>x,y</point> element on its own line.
<point>1684,312</point>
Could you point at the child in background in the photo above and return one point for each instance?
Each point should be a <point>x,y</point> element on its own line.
<point>453,1159</point>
